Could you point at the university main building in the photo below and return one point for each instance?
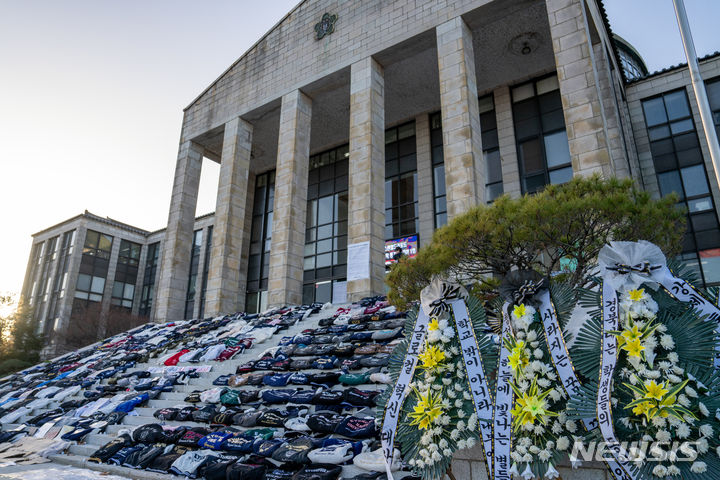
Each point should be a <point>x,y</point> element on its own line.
<point>354,127</point>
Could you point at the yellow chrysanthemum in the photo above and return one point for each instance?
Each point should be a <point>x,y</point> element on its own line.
<point>637,294</point>
<point>634,348</point>
<point>654,390</point>
<point>432,357</point>
<point>427,410</point>
<point>434,324</point>
<point>519,310</point>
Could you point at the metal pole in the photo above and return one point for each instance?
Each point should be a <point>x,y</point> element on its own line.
<point>698,87</point>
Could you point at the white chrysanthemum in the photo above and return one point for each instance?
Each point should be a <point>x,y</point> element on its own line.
<point>437,386</point>
<point>673,471</point>
<point>443,443</point>
<point>683,400</point>
<point>425,440</point>
<point>446,381</point>
<point>471,442</point>
<point>467,396</point>
<point>557,428</point>
<point>551,375</point>
<point>458,403</point>
<point>445,420</point>
<point>706,430</point>
<point>562,417</point>
<point>516,456</point>
<point>667,342</point>
<point>703,409</point>
<point>472,422</point>
<point>537,353</point>
<point>459,387</point>
<point>652,374</point>
<point>702,446</point>
<point>461,425</point>
<point>538,430</point>
<point>436,456</point>
<point>555,395</point>
<point>663,436</point>
<point>659,421</point>
<point>448,332</point>
<point>659,471</point>
<point>673,357</point>
<point>673,421</point>
<point>434,335</point>
<point>690,392</point>
<point>570,426</point>
<point>523,385</point>
<point>537,365</point>
<point>522,449</point>
<point>687,450</point>
<point>460,413</point>
<point>647,438</point>
<point>678,371</point>
<point>455,434</point>
<point>525,442</point>
<point>674,378</point>
<point>543,382</point>
<point>531,336</point>
<point>544,455</point>
<point>664,365</point>
<point>527,458</point>
<point>462,444</point>
<point>454,350</point>
<point>419,463</point>
<point>625,421</point>
<point>563,443</point>
<point>682,430</point>
<point>451,393</point>
<point>447,452</point>
<point>698,467</point>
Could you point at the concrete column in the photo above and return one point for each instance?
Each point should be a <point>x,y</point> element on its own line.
<point>426,209</point>
<point>285,278</point>
<point>246,232</point>
<point>582,105</point>
<point>175,264</point>
<point>366,209</point>
<point>506,142</point>
<point>223,289</point>
<point>462,139</point>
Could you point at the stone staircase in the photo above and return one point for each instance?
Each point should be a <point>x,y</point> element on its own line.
<point>78,453</point>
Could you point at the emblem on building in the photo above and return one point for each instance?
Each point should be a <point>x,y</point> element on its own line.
<point>325,26</point>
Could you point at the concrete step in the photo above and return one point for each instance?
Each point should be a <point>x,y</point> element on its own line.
<point>98,439</point>
<point>84,450</point>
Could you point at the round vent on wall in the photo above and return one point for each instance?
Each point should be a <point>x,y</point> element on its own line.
<point>525,43</point>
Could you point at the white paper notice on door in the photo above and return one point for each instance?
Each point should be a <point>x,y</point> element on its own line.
<point>339,292</point>
<point>358,261</point>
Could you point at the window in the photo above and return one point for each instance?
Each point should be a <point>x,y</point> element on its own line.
<point>148,289</point>
<point>126,273</point>
<point>45,282</point>
<point>491,149</point>
<point>260,240</point>
<point>438,166</point>
<point>542,143</point>
<point>90,287</point>
<point>401,199</point>
<point>325,260</point>
<point>713,93</point>
<point>192,277</point>
<point>93,266</point>
<point>680,169</point>
<point>206,267</point>
<point>97,244</point>
<point>35,258</point>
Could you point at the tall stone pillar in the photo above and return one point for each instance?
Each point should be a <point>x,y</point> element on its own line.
<point>366,209</point>
<point>175,264</point>
<point>426,209</point>
<point>462,139</point>
<point>285,278</point>
<point>506,142</point>
<point>224,293</point>
<point>582,106</point>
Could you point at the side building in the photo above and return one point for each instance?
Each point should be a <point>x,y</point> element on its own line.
<point>89,277</point>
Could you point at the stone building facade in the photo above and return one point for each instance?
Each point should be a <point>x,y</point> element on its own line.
<point>337,144</point>
<point>401,116</point>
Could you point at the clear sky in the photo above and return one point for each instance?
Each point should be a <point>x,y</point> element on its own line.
<point>92,92</point>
